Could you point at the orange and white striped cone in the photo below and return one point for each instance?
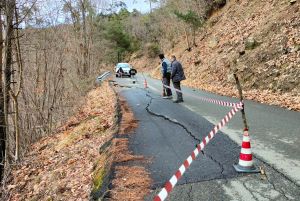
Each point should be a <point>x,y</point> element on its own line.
<point>145,84</point>
<point>246,160</point>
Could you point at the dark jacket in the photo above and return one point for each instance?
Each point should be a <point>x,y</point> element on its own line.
<point>177,74</point>
<point>133,72</point>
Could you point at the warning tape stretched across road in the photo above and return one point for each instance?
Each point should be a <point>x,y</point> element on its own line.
<point>163,194</point>
<point>218,102</point>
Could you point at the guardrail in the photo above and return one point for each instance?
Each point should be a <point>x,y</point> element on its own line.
<point>103,76</point>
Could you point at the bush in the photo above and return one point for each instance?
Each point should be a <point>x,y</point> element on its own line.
<point>152,50</point>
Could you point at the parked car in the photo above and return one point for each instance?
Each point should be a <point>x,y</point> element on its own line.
<point>123,69</point>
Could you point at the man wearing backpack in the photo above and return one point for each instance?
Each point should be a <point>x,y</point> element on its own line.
<point>166,76</point>
<point>177,75</point>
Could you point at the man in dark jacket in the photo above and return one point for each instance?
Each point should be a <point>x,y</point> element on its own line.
<point>166,76</point>
<point>177,76</point>
<point>132,72</point>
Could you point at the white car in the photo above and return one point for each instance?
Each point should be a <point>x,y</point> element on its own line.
<point>122,69</point>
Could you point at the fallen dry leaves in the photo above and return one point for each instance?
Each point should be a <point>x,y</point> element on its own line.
<point>60,167</point>
<point>128,122</point>
<point>131,182</point>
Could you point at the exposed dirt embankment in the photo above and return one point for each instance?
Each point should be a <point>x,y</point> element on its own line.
<point>261,39</point>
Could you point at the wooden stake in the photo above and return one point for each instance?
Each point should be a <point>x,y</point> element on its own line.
<point>241,99</point>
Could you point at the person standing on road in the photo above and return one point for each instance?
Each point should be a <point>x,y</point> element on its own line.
<point>132,72</point>
<point>177,75</point>
<point>166,76</point>
<point>120,72</point>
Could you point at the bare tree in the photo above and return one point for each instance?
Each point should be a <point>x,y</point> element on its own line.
<point>14,93</point>
<point>83,7</point>
<point>2,117</point>
<point>8,56</point>
<point>39,82</point>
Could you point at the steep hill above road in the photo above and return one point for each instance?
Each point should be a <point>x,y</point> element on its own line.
<point>261,39</point>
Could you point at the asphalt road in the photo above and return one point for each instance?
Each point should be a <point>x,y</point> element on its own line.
<point>168,132</point>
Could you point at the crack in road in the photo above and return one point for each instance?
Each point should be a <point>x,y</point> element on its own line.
<point>169,119</point>
<point>249,190</point>
<point>281,192</point>
<point>276,170</point>
<point>189,132</point>
<point>276,189</point>
<point>255,194</point>
<point>252,191</point>
<point>218,163</point>
<point>286,176</point>
<point>190,193</point>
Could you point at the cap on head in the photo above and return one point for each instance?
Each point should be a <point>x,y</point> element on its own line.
<point>161,56</point>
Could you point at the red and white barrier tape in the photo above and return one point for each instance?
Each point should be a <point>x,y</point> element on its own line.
<point>163,194</point>
<point>218,102</point>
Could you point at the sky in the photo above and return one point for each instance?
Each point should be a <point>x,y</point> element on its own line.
<point>51,10</point>
<point>140,5</point>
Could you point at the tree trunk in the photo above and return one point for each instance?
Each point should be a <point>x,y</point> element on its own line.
<point>15,94</point>
<point>187,39</point>
<point>45,78</point>
<point>9,11</point>
<point>17,130</point>
<point>194,37</point>
<point>37,80</point>
<point>2,118</point>
<point>84,34</point>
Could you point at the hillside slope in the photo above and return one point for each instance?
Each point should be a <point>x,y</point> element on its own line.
<point>67,165</point>
<point>261,39</point>
<point>87,159</point>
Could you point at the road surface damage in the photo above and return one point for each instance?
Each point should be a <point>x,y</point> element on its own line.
<point>131,180</point>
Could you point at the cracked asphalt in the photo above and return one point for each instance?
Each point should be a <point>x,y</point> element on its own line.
<point>167,134</point>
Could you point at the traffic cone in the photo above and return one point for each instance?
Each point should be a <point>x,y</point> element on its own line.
<point>246,160</point>
<point>145,84</point>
